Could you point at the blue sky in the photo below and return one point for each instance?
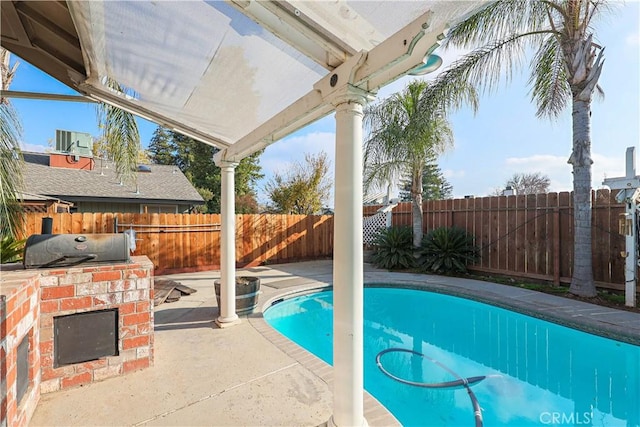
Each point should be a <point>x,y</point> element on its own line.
<point>504,137</point>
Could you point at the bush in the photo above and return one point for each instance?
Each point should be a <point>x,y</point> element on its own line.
<point>11,249</point>
<point>394,248</point>
<point>447,250</point>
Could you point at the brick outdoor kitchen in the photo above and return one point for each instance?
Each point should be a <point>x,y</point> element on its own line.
<point>37,306</point>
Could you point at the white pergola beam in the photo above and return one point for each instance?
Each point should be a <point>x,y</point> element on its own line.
<point>328,23</point>
<point>399,54</point>
<point>367,70</point>
<point>281,19</point>
<point>45,96</point>
<point>305,110</point>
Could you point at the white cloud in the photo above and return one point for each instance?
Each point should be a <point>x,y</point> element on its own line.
<point>450,173</point>
<point>633,39</point>
<point>559,171</point>
<point>34,147</point>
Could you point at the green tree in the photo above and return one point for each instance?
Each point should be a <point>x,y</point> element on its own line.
<point>406,132</point>
<point>434,185</point>
<point>195,160</point>
<point>304,189</point>
<point>248,173</point>
<point>11,161</point>
<point>120,133</point>
<point>160,148</point>
<point>565,68</point>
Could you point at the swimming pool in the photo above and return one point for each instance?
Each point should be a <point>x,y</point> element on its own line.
<point>534,372</point>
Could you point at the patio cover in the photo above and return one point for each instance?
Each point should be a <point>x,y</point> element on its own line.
<point>238,74</point>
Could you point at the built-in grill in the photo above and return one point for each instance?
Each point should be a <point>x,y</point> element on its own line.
<point>63,250</point>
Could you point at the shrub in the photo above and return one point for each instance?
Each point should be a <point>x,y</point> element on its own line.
<point>394,248</point>
<point>447,250</point>
<point>11,249</point>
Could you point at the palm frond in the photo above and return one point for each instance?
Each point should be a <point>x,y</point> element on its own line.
<point>402,134</point>
<point>483,68</point>
<point>497,20</point>
<point>11,167</point>
<point>121,134</point>
<point>550,88</point>
<point>599,92</point>
<point>11,161</point>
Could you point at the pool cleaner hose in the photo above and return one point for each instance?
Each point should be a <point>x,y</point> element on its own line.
<point>458,382</point>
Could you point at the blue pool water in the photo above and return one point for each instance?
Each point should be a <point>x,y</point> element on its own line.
<point>536,372</point>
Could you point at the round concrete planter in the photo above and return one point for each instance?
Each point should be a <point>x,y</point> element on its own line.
<point>247,291</point>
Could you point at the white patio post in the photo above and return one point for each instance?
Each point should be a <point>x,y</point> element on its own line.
<point>348,401</point>
<point>228,316</point>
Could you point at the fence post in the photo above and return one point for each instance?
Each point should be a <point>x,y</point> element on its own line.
<point>556,246</point>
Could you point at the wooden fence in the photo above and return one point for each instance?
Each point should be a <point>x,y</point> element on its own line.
<point>527,236</point>
<point>530,236</point>
<point>191,242</point>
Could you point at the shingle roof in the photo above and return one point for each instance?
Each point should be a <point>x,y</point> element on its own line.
<point>163,183</point>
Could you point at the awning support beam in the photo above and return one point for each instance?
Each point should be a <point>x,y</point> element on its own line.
<point>228,316</point>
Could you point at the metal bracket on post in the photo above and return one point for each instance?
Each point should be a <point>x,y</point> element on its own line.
<point>629,194</point>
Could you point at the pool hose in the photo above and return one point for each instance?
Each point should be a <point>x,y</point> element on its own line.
<point>458,382</point>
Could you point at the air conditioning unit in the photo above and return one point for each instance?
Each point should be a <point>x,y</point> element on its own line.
<point>74,143</point>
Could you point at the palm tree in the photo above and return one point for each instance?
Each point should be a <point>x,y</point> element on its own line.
<point>121,136</point>
<point>406,132</point>
<point>565,66</point>
<point>11,162</point>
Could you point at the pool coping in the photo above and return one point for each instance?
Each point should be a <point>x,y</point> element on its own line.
<point>598,320</point>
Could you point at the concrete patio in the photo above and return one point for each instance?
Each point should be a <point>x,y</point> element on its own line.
<point>249,374</point>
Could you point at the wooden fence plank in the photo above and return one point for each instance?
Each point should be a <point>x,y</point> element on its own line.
<point>483,207</point>
<point>520,235</point>
<point>553,244</point>
<point>510,235</point>
<point>502,230</point>
<point>494,231</point>
<point>541,233</point>
<point>530,234</point>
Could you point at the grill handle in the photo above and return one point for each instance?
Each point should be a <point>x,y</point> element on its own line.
<point>80,259</point>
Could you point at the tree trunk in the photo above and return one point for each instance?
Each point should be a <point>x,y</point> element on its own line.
<point>416,208</point>
<point>582,281</point>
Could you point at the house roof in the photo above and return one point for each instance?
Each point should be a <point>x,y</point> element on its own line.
<point>28,197</point>
<point>235,74</point>
<point>162,184</point>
